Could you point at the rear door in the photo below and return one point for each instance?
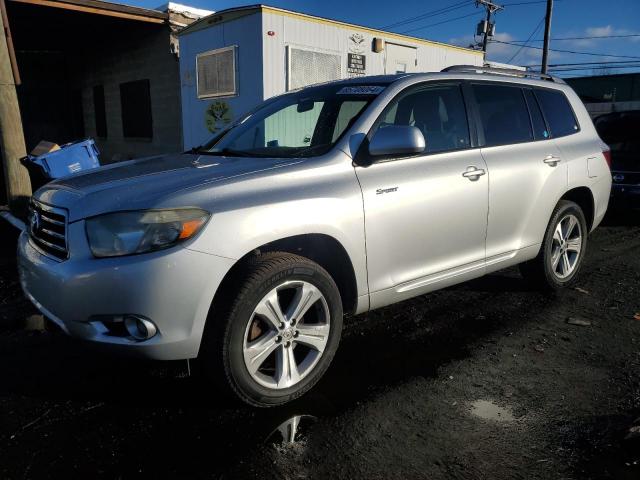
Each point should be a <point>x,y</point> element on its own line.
<point>527,174</point>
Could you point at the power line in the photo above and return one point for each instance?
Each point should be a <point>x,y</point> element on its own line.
<point>594,37</point>
<point>569,51</point>
<point>444,21</point>
<point>527,41</point>
<point>587,63</point>
<point>432,13</point>
<point>603,67</point>
<point>515,4</point>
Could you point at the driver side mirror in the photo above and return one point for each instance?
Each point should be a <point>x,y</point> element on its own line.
<point>397,140</point>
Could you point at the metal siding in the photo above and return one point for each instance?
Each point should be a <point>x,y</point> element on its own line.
<point>303,33</point>
<point>244,32</point>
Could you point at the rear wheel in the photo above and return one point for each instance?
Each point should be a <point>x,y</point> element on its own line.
<point>563,249</point>
<point>280,333</point>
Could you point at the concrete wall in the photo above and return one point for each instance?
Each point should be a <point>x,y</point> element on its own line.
<point>145,56</point>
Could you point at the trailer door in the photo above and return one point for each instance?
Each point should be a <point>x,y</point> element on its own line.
<point>400,59</point>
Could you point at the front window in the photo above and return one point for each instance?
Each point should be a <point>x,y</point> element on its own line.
<point>306,123</point>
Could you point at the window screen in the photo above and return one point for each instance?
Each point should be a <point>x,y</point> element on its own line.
<point>307,67</point>
<point>558,112</point>
<point>217,73</point>
<point>504,114</point>
<point>100,111</point>
<point>438,112</point>
<point>135,103</point>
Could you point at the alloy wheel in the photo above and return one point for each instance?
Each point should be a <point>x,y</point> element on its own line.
<point>566,246</point>
<point>286,334</point>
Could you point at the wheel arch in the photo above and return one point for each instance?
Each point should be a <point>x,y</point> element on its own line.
<point>585,200</point>
<point>323,249</point>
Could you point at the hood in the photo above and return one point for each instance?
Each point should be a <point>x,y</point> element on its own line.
<point>145,183</point>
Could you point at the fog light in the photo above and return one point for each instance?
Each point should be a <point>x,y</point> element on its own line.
<point>139,328</point>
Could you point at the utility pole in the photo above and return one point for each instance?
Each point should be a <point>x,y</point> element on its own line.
<point>12,146</point>
<point>485,27</point>
<point>547,36</point>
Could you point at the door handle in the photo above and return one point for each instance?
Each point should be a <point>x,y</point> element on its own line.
<point>551,160</point>
<point>473,173</point>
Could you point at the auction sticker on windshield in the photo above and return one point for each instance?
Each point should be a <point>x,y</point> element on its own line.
<point>361,90</point>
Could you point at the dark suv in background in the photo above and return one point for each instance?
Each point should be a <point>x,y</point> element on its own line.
<point>621,131</point>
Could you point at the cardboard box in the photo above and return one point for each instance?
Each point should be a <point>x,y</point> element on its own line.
<point>44,147</point>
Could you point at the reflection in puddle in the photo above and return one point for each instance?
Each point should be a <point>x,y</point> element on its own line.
<point>488,410</point>
<point>291,430</point>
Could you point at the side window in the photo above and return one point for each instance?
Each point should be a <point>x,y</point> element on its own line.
<point>540,131</point>
<point>558,112</point>
<point>504,114</point>
<point>438,111</point>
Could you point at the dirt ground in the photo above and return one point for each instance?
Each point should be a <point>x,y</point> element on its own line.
<point>484,380</point>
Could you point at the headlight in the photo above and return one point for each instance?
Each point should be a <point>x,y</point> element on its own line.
<point>126,233</point>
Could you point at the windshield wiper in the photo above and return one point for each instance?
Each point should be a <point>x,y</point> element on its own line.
<point>217,153</point>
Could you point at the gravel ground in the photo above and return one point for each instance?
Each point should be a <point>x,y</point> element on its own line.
<point>484,380</point>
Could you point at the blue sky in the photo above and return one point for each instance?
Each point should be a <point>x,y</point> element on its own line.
<point>571,18</point>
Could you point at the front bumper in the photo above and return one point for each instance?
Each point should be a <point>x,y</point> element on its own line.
<point>174,288</point>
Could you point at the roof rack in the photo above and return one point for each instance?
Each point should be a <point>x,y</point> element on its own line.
<point>502,71</point>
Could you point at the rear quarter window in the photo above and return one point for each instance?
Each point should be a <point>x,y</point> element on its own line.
<point>558,112</point>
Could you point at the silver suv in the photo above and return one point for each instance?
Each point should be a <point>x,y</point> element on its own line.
<point>335,199</point>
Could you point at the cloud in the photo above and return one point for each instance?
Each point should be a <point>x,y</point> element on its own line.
<point>603,31</point>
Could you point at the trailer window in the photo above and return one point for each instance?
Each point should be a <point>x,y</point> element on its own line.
<point>216,73</point>
<point>307,67</point>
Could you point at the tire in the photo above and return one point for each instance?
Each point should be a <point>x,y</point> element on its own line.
<point>543,271</point>
<point>249,346</point>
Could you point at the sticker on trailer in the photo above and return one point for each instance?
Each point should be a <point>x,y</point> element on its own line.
<point>361,90</point>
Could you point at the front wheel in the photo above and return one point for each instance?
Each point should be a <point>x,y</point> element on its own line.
<point>280,333</point>
<point>563,249</point>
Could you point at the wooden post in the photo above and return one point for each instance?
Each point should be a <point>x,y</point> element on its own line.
<point>12,146</point>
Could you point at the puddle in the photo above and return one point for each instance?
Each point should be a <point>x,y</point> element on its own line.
<point>488,410</point>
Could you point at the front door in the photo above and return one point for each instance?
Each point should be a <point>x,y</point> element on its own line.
<point>400,59</point>
<point>425,215</point>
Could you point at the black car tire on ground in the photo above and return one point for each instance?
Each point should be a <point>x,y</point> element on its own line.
<point>539,271</point>
<point>222,349</point>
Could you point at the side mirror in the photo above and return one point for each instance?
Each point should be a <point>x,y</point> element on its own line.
<point>397,140</point>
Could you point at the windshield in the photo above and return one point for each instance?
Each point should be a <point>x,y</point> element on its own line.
<point>306,123</point>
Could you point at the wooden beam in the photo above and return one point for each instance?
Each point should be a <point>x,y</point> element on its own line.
<point>12,51</point>
<point>12,146</point>
<point>96,10</point>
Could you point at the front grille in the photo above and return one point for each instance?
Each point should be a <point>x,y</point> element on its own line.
<point>48,229</point>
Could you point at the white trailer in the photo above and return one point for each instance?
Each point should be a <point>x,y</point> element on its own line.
<point>234,59</point>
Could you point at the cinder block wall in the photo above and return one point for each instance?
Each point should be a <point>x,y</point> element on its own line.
<point>142,54</point>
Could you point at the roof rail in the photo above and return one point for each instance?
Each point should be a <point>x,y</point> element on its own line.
<point>502,71</point>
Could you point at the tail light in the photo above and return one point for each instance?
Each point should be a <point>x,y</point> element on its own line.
<point>606,151</point>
